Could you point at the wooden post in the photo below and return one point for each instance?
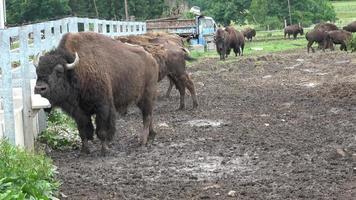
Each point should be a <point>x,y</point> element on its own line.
<point>290,15</point>
<point>126,11</point>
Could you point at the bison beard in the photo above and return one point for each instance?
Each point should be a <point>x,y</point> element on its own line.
<point>104,74</point>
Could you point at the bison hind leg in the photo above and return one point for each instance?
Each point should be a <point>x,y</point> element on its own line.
<point>146,107</point>
<point>105,126</point>
<point>190,86</point>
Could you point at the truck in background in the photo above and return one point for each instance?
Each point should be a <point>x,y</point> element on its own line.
<point>198,31</point>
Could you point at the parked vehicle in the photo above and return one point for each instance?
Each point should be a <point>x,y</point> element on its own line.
<point>199,30</point>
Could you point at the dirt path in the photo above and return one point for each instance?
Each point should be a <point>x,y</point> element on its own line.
<point>284,129</point>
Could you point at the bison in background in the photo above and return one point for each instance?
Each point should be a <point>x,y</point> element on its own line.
<point>350,27</point>
<point>222,42</point>
<point>293,30</point>
<point>236,41</point>
<point>249,33</point>
<point>326,27</point>
<point>171,57</point>
<point>340,37</point>
<point>92,74</point>
<point>318,36</point>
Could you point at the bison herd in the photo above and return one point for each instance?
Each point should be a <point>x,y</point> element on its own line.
<point>92,74</point>
<point>325,34</point>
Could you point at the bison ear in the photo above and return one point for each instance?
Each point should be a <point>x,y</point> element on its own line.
<point>59,68</point>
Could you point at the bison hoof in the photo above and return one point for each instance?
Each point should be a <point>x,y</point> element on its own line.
<point>152,136</point>
<point>104,149</point>
<point>85,150</point>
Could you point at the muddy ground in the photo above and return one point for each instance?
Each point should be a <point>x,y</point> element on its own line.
<point>285,128</point>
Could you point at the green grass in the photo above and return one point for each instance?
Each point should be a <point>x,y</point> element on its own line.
<point>261,47</point>
<point>345,12</point>
<point>25,175</point>
<point>61,133</point>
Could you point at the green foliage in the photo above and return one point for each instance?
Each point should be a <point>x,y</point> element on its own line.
<point>352,43</point>
<point>20,11</point>
<point>345,12</point>
<point>25,175</point>
<point>61,132</point>
<point>225,11</point>
<point>267,12</point>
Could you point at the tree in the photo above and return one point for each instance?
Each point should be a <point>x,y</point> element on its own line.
<point>22,11</point>
<point>258,11</point>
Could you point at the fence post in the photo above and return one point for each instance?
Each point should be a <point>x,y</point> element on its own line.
<point>96,26</point>
<point>29,138</point>
<point>73,25</point>
<point>9,120</point>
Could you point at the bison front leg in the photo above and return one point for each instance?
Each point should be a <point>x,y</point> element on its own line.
<point>85,128</point>
<point>105,125</point>
<point>310,46</point>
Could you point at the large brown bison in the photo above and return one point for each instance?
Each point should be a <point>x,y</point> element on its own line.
<point>249,33</point>
<point>326,27</point>
<point>171,58</point>
<point>236,41</point>
<point>293,30</point>
<point>92,74</point>
<point>340,37</point>
<point>222,42</point>
<point>350,27</point>
<point>318,36</point>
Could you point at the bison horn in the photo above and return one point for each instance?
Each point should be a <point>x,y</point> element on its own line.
<point>186,50</point>
<point>36,60</point>
<point>73,64</point>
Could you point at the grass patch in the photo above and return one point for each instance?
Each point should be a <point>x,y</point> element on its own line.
<point>260,47</point>
<point>345,12</point>
<point>61,133</point>
<point>25,175</point>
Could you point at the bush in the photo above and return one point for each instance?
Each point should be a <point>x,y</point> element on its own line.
<point>25,175</point>
<point>352,43</point>
<point>61,132</point>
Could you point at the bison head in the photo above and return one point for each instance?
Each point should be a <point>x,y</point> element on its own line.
<point>220,42</point>
<point>301,30</point>
<point>55,75</point>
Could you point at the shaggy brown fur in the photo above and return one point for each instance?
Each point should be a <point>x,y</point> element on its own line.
<point>326,27</point>
<point>249,33</point>
<point>339,37</point>
<point>236,41</point>
<point>293,30</point>
<point>109,75</point>
<point>317,36</point>
<point>350,27</point>
<point>222,42</point>
<point>174,65</point>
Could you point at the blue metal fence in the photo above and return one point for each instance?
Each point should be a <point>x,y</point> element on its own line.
<point>19,44</point>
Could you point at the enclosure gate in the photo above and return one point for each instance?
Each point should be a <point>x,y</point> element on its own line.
<point>18,45</point>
